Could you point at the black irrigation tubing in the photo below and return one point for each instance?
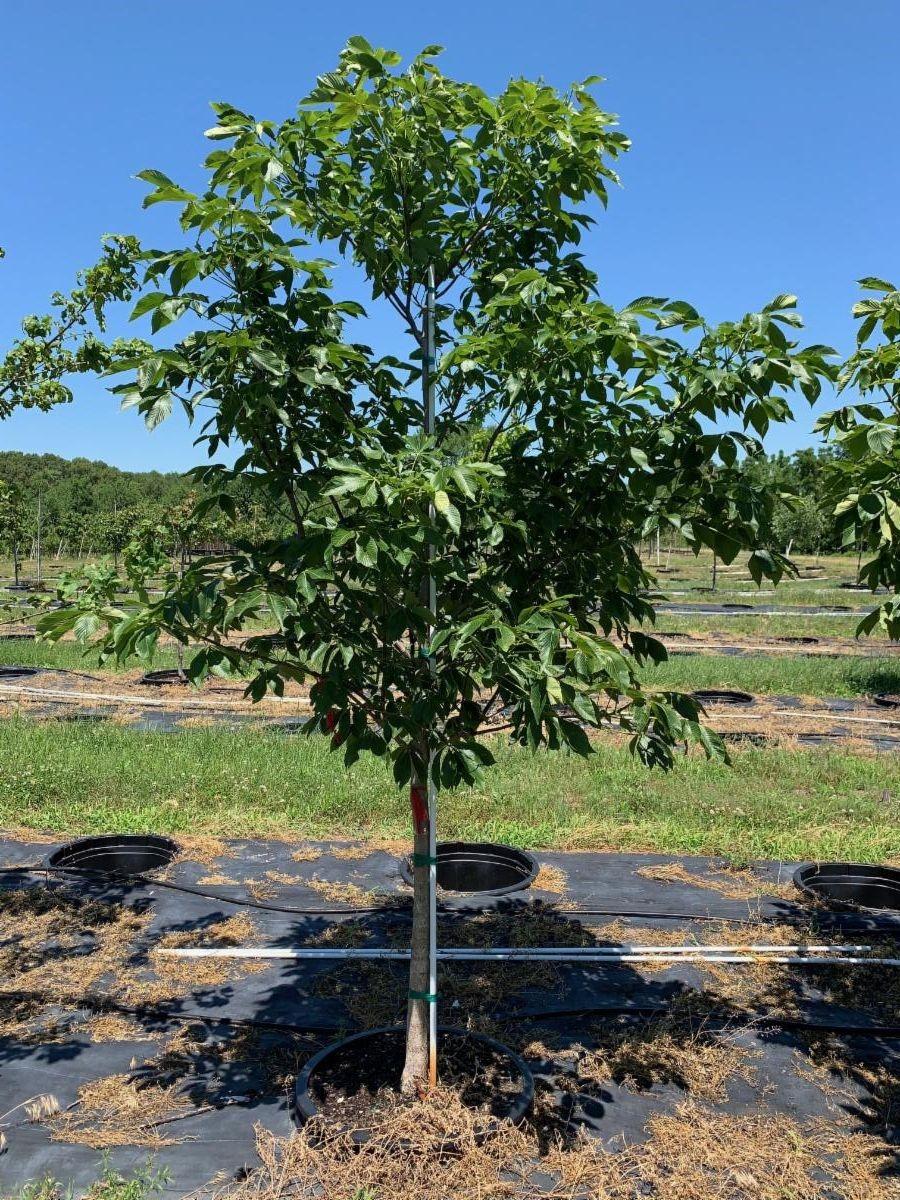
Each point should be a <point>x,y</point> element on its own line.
<point>766,1020</point>
<point>763,1020</point>
<point>64,671</point>
<point>151,1012</point>
<point>245,902</point>
<point>383,910</point>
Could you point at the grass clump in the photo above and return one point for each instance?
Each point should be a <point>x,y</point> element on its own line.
<point>111,1185</point>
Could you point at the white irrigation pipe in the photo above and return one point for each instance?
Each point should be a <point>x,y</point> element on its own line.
<point>529,955</point>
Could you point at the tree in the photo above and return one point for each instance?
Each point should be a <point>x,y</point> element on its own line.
<point>865,477</point>
<point>65,343</point>
<point>12,524</point>
<point>425,576</point>
<point>800,524</point>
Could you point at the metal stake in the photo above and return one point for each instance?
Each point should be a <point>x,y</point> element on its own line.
<point>428,363</point>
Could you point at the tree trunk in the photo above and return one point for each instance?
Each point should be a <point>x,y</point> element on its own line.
<point>714,571</point>
<point>16,562</point>
<point>416,1069</point>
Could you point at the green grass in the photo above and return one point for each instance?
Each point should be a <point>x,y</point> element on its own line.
<point>69,656</point>
<point>787,674</point>
<point>771,803</point>
<point>794,625</point>
<point>111,1185</point>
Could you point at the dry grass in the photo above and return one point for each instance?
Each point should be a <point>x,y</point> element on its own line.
<point>173,978</point>
<point>674,1048</point>
<point>372,992</point>
<point>356,850</point>
<point>551,879</point>
<point>216,879</point>
<point>862,1089</point>
<point>202,848</point>
<point>20,833</point>
<point>779,988</point>
<point>340,892</point>
<point>116,1027</point>
<point>117,1110</point>
<point>537,925</point>
<point>732,882</point>
<point>56,944</point>
<point>284,877</point>
<point>432,1151</point>
<point>306,854</point>
<point>343,934</point>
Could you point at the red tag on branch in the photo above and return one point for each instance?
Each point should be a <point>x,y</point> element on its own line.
<point>419,805</point>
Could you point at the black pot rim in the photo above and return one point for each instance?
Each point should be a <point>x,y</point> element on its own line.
<point>887,699</point>
<point>58,858</point>
<point>722,695</point>
<point>873,873</point>
<point>163,676</point>
<point>527,861</point>
<point>305,1107</point>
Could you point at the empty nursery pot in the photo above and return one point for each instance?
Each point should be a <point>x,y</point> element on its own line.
<point>164,678</point>
<point>797,640</point>
<point>120,854</point>
<point>738,607</point>
<point>483,867</point>
<point>365,1064</point>
<point>850,885</point>
<point>7,673</point>
<point>887,699</point>
<point>721,696</point>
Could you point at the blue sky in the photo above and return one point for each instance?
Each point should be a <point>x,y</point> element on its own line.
<point>765,159</point>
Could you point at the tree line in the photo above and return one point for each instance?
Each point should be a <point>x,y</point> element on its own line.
<point>82,508</point>
<point>88,507</point>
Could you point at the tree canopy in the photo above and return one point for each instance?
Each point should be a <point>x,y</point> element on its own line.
<point>865,481</point>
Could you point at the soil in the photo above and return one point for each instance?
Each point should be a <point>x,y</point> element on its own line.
<point>361,1084</point>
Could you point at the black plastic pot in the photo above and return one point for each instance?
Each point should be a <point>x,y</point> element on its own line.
<point>850,886</point>
<point>738,607</point>
<point>798,640</point>
<point>671,633</point>
<point>483,867</point>
<point>120,854</point>
<point>7,673</point>
<point>888,699</point>
<point>722,696</point>
<point>510,1106</point>
<point>165,678</point>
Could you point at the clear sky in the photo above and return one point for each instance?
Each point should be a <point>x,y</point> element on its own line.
<point>766,154</point>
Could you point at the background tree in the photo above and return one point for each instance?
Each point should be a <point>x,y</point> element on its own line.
<point>12,524</point>
<point>865,478</point>
<point>564,431</point>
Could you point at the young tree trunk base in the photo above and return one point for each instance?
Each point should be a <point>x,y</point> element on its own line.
<point>416,1067</point>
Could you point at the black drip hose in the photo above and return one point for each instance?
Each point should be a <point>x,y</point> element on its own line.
<point>246,902</point>
<point>762,1020</point>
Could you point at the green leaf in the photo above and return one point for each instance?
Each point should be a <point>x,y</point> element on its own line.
<point>448,511</point>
